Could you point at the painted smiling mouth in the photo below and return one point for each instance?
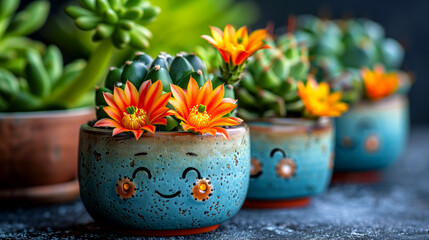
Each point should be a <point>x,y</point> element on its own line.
<point>168,196</point>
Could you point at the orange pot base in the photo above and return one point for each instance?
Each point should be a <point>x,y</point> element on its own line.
<point>167,233</point>
<point>365,177</point>
<point>272,204</point>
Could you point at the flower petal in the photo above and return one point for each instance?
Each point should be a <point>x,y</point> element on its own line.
<point>113,113</point>
<point>132,93</point>
<point>120,99</point>
<point>106,122</point>
<point>149,128</point>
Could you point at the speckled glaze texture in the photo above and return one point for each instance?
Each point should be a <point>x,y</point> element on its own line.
<point>155,183</point>
<point>291,158</point>
<point>371,136</point>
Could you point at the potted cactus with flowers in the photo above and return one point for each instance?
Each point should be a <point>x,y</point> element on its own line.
<point>364,66</point>
<point>166,156</point>
<point>292,139</point>
<point>46,101</point>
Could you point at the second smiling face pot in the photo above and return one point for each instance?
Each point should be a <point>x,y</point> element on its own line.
<point>292,159</point>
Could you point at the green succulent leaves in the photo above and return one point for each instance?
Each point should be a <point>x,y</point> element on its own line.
<point>121,20</point>
<point>341,47</point>
<point>269,85</point>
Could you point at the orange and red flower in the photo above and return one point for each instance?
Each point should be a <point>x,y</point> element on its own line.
<point>236,46</point>
<point>318,100</point>
<point>379,84</point>
<point>203,110</point>
<point>136,111</point>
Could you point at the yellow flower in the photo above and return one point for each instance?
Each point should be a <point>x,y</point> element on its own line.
<point>379,84</point>
<point>319,101</point>
<point>236,46</point>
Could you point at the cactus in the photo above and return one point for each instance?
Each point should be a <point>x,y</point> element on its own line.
<point>339,48</point>
<point>269,85</point>
<point>169,70</point>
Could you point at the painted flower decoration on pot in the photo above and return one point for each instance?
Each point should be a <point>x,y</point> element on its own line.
<point>235,48</point>
<point>378,83</point>
<point>319,101</point>
<point>135,111</point>
<point>203,110</point>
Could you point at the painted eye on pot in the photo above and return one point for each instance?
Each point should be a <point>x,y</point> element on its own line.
<point>191,169</point>
<point>255,168</point>
<point>142,169</point>
<point>125,188</point>
<point>202,190</point>
<point>346,142</point>
<point>372,143</point>
<point>286,168</point>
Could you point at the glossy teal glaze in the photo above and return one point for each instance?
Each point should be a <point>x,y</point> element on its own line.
<point>308,144</point>
<point>157,163</point>
<point>371,136</point>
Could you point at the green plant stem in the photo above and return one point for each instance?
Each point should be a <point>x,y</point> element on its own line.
<point>94,71</point>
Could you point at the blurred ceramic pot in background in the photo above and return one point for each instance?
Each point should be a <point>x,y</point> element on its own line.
<point>292,159</point>
<point>164,184</point>
<point>370,137</point>
<point>38,161</point>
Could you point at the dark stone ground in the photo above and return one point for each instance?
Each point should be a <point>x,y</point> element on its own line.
<point>396,208</point>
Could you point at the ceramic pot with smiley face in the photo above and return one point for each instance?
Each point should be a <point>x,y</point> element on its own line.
<point>369,138</point>
<point>167,183</point>
<point>292,159</point>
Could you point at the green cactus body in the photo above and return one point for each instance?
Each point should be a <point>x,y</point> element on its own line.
<point>268,87</point>
<point>143,67</point>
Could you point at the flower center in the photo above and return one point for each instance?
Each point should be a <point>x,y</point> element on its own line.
<point>134,118</point>
<point>198,117</point>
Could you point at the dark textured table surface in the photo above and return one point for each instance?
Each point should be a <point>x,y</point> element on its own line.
<point>396,208</point>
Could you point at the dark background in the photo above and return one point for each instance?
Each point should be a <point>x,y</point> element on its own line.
<point>406,21</point>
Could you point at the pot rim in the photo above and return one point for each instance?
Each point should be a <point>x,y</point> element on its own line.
<point>291,125</point>
<point>232,130</point>
<point>290,121</point>
<point>393,101</point>
<point>48,113</point>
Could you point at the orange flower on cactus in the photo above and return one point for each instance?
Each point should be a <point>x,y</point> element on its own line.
<point>202,110</point>
<point>236,46</point>
<point>136,111</point>
<point>379,84</point>
<point>318,100</point>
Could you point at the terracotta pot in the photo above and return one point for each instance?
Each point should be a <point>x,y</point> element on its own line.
<point>292,159</point>
<point>163,184</point>
<point>39,153</point>
<point>370,137</point>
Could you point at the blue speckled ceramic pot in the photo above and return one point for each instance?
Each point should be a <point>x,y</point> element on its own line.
<point>371,135</point>
<point>292,159</point>
<point>163,181</point>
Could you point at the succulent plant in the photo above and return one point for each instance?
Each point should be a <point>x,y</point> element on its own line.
<point>42,77</point>
<point>339,48</point>
<point>14,27</point>
<point>30,72</point>
<point>177,70</point>
<point>122,21</point>
<point>116,24</point>
<point>269,85</point>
